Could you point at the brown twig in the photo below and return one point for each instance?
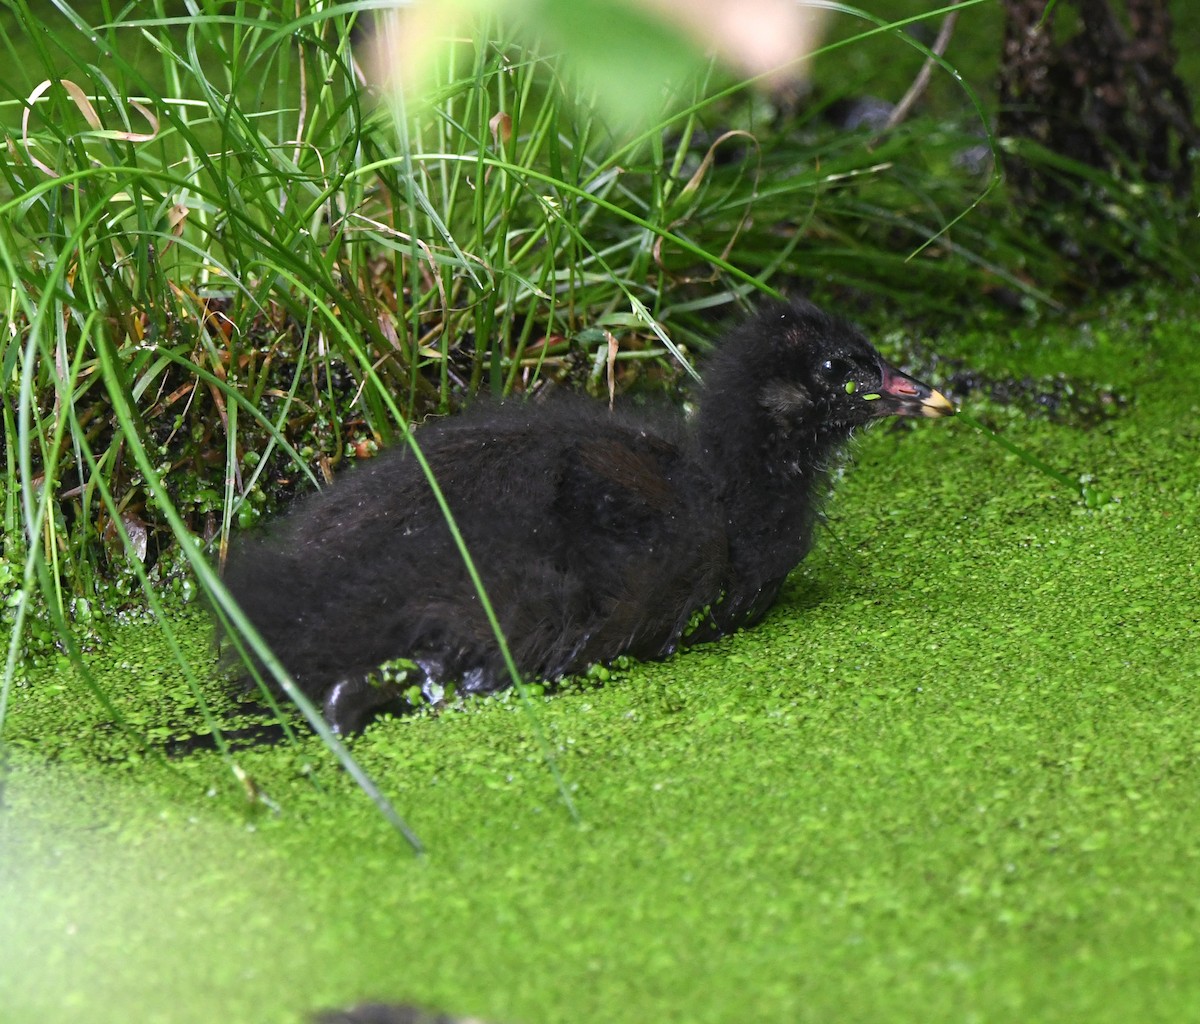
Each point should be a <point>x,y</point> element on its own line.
<point>921,82</point>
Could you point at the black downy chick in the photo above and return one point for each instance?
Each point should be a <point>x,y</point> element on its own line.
<point>596,534</point>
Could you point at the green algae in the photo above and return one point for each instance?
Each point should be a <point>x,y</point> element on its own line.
<point>955,775</point>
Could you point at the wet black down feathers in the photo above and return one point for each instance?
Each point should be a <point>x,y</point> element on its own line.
<point>595,533</point>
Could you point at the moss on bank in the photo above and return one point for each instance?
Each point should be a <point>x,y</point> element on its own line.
<point>954,775</point>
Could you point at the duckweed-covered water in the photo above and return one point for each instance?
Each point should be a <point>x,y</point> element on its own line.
<point>955,776</point>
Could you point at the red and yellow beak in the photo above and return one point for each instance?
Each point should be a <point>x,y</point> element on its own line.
<point>902,395</point>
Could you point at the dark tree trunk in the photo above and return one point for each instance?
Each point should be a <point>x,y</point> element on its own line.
<point>1108,97</point>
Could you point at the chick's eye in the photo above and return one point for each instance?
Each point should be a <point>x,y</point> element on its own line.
<point>837,370</point>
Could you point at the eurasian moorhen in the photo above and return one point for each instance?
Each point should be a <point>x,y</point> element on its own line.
<point>595,533</point>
